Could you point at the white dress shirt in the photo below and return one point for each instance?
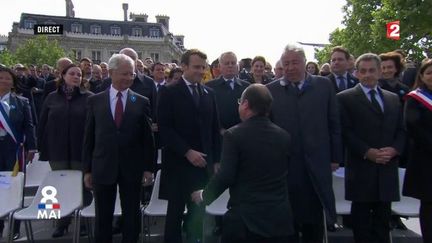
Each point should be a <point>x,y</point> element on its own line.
<point>113,99</point>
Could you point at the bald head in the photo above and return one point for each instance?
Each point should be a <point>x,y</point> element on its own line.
<point>130,53</point>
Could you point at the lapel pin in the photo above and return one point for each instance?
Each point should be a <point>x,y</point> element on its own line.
<point>133,98</point>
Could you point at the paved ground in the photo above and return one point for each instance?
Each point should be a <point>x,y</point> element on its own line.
<point>43,229</point>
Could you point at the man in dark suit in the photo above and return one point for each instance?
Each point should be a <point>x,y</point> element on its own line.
<point>254,166</point>
<point>228,89</point>
<point>305,106</point>
<point>374,137</point>
<point>118,150</point>
<point>339,65</point>
<point>189,132</point>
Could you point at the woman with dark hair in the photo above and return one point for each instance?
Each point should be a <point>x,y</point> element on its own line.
<point>391,68</point>
<point>257,74</point>
<point>418,121</point>
<point>312,68</point>
<point>61,128</point>
<point>16,128</point>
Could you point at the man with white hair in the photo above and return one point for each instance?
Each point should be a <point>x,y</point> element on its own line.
<point>118,151</point>
<point>305,106</point>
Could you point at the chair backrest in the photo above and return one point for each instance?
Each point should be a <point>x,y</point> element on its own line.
<point>219,206</point>
<point>68,184</point>
<point>11,197</point>
<point>339,184</point>
<point>36,173</point>
<point>155,193</point>
<point>401,178</point>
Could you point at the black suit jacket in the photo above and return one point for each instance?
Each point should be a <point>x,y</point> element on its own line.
<point>110,152</point>
<point>21,119</point>
<point>254,166</point>
<point>226,100</point>
<point>364,127</point>
<point>184,126</point>
<point>351,81</point>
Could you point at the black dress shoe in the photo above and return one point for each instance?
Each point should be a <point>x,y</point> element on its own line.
<point>16,236</point>
<point>59,232</point>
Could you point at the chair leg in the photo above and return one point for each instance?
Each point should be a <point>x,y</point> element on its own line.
<point>11,222</point>
<point>76,234</point>
<point>30,230</point>
<point>89,230</point>
<point>325,240</point>
<point>142,227</point>
<point>390,236</point>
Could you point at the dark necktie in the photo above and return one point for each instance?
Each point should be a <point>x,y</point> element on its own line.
<point>195,94</point>
<point>118,113</point>
<point>158,87</point>
<point>374,101</point>
<point>230,83</point>
<point>342,85</point>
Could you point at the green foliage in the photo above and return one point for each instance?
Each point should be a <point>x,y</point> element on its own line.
<point>365,28</point>
<point>7,58</point>
<point>38,51</point>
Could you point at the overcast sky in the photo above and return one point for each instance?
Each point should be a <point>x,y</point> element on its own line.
<point>249,28</point>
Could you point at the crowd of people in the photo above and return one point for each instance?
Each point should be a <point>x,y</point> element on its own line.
<point>272,136</point>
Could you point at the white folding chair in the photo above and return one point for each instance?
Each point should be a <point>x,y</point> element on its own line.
<point>217,208</point>
<point>36,173</point>
<point>89,212</point>
<point>407,206</point>
<point>11,198</point>
<point>155,208</point>
<point>68,184</point>
<point>343,207</point>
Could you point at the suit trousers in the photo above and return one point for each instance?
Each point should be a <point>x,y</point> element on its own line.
<point>193,221</point>
<point>236,231</point>
<point>426,220</point>
<point>105,196</point>
<point>371,221</point>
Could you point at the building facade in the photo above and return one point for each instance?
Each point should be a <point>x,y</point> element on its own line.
<point>99,39</point>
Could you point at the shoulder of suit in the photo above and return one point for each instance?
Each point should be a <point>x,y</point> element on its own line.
<point>389,94</point>
<point>214,82</point>
<point>137,96</point>
<point>19,97</point>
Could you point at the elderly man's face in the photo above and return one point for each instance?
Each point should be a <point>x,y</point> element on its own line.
<point>294,66</point>
<point>228,66</point>
<point>123,76</point>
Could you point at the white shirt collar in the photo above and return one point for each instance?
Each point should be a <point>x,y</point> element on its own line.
<point>113,92</point>
<point>6,97</point>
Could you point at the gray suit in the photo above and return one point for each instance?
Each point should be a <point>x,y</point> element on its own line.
<point>311,117</point>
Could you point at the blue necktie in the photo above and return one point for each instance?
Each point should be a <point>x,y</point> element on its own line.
<point>342,85</point>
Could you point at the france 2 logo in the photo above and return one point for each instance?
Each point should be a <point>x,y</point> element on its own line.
<point>393,30</point>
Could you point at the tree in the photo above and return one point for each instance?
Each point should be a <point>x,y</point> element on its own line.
<point>7,58</point>
<point>39,50</point>
<point>365,28</point>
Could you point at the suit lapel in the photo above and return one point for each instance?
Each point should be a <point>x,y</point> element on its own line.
<point>185,92</point>
<point>106,106</point>
<point>13,109</point>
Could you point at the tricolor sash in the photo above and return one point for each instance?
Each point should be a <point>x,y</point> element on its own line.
<point>6,124</point>
<point>422,96</point>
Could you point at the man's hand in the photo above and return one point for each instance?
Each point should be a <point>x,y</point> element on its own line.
<point>196,158</point>
<point>372,154</point>
<point>334,166</point>
<point>88,180</point>
<point>147,178</point>
<point>216,167</point>
<point>386,154</point>
<point>196,197</point>
<point>29,156</point>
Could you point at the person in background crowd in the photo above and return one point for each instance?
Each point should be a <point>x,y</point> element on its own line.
<point>278,70</point>
<point>61,129</point>
<point>47,73</point>
<point>254,166</point>
<point>392,67</point>
<point>174,76</point>
<point>312,68</point>
<point>96,79</point>
<point>268,71</point>
<point>51,86</point>
<point>374,137</point>
<point>418,120</point>
<point>339,64</point>
<point>325,70</point>
<point>214,68</point>
<point>305,106</point>
<point>245,66</point>
<point>257,71</point>
<point>190,135</point>
<point>16,128</point>
<point>104,67</point>
<point>86,67</point>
